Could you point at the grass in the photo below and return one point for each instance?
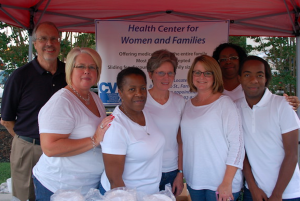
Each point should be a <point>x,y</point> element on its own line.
<point>4,172</point>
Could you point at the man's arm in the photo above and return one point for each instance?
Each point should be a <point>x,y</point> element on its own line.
<point>9,125</point>
<point>256,193</point>
<point>290,145</point>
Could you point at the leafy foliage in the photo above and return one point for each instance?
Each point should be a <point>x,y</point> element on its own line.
<point>85,40</point>
<point>241,41</point>
<point>13,47</point>
<point>281,54</point>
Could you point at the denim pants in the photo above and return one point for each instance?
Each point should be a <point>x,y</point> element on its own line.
<point>248,197</point>
<point>166,178</point>
<point>206,195</point>
<point>41,192</point>
<point>101,189</point>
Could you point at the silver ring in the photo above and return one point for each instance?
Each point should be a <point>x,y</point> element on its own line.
<point>101,126</point>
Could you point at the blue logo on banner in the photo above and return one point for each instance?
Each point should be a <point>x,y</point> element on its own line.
<point>108,92</point>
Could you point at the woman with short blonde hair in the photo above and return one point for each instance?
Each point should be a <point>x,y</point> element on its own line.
<point>72,125</point>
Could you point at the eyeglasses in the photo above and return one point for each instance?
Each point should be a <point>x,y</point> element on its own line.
<point>162,73</point>
<point>197,73</point>
<point>232,58</point>
<point>45,39</point>
<point>90,67</point>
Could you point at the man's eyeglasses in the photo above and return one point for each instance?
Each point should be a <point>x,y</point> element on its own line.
<point>45,39</point>
<point>90,67</point>
<point>197,73</point>
<point>232,58</point>
<point>162,73</point>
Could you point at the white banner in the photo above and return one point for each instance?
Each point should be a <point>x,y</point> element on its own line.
<point>123,44</point>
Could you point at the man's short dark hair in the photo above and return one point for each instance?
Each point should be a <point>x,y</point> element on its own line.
<point>268,73</point>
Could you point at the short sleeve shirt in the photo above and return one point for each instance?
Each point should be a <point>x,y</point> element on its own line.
<point>26,92</point>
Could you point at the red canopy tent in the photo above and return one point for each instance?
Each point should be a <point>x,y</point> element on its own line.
<point>247,17</point>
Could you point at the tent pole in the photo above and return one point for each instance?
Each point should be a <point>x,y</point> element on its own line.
<point>298,69</point>
<point>287,8</point>
<point>264,27</point>
<point>298,85</point>
<point>30,30</point>
<point>43,12</point>
<point>30,49</point>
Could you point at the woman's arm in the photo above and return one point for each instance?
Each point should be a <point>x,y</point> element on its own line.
<point>236,152</point>
<point>178,182</point>
<point>225,188</point>
<point>59,145</point>
<point>114,167</point>
<point>293,101</point>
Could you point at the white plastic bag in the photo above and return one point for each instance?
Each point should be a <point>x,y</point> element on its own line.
<point>94,195</point>
<point>67,195</point>
<point>120,194</point>
<point>165,195</point>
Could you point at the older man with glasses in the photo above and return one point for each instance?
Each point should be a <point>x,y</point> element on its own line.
<point>25,92</point>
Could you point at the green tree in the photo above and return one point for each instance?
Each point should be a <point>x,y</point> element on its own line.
<point>241,41</point>
<point>13,47</point>
<point>85,40</point>
<point>281,54</point>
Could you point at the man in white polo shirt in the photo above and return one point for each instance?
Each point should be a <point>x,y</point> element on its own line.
<point>271,137</point>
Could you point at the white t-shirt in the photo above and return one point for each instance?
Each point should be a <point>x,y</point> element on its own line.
<point>212,138</point>
<point>63,114</point>
<point>167,118</point>
<point>263,127</point>
<point>236,93</point>
<point>143,162</point>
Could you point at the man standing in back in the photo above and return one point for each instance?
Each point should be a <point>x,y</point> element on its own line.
<point>230,57</point>
<point>25,93</point>
<point>270,129</point>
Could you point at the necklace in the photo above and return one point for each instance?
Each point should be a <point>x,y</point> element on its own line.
<point>87,100</point>
<point>132,119</point>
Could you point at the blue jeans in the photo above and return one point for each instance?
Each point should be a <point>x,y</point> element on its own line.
<point>166,178</point>
<point>41,192</point>
<point>248,197</point>
<point>206,195</point>
<point>101,189</point>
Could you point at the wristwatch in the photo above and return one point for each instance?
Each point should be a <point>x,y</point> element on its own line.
<point>180,171</point>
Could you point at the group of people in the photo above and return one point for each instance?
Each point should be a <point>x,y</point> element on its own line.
<point>234,127</point>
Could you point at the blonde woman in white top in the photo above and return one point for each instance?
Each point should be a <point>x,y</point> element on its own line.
<point>72,125</point>
<point>213,147</point>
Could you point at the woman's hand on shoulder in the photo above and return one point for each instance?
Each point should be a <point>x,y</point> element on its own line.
<point>102,128</point>
<point>293,100</point>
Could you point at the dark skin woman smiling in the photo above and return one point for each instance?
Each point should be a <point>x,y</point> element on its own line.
<point>133,145</point>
